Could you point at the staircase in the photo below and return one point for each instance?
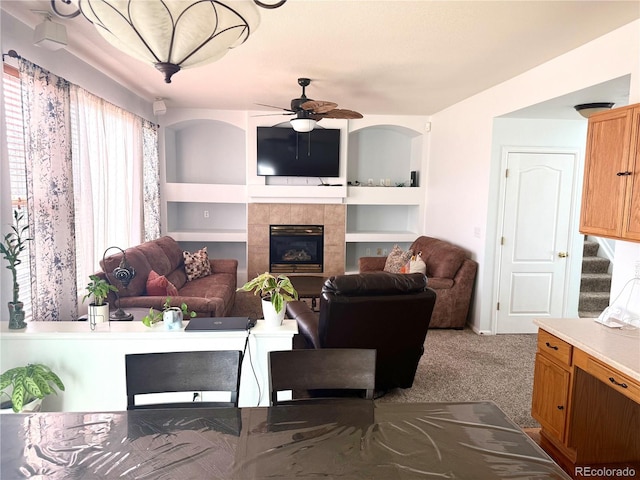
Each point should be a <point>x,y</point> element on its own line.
<point>595,282</point>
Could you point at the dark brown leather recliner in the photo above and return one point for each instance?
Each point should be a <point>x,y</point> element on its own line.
<point>386,311</point>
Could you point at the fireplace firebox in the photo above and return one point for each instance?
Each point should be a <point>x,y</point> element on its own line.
<point>296,248</point>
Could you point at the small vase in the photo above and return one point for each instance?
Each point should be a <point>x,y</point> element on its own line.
<point>272,318</point>
<point>98,314</point>
<point>16,315</point>
<point>172,318</point>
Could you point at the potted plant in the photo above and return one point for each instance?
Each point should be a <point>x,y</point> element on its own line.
<point>99,288</point>
<point>13,244</point>
<point>171,316</point>
<point>275,292</point>
<point>30,384</point>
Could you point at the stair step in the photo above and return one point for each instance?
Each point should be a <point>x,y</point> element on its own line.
<point>593,301</point>
<point>590,248</point>
<point>589,314</point>
<point>595,265</point>
<point>595,282</point>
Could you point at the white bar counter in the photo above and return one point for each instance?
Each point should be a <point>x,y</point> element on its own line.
<point>91,363</point>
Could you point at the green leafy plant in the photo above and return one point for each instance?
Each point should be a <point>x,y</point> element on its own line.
<point>12,246</point>
<point>99,288</point>
<point>278,289</point>
<point>154,316</point>
<point>28,383</point>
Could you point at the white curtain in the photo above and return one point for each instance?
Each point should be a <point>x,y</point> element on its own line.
<point>45,106</point>
<point>151,168</point>
<point>86,190</point>
<point>107,153</point>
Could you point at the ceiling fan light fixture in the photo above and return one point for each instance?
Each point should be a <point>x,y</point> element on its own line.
<point>588,109</point>
<point>173,35</point>
<point>303,125</point>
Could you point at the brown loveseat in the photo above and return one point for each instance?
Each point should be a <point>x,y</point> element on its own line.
<point>210,296</point>
<point>449,272</point>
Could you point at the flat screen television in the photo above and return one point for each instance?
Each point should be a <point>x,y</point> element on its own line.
<point>285,152</point>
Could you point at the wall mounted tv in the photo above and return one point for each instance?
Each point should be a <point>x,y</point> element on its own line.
<point>285,152</point>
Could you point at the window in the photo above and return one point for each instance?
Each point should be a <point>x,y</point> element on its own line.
<point>98,186</point>
<point>17,171</point>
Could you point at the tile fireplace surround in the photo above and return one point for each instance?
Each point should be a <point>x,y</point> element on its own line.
<point>261,215</point>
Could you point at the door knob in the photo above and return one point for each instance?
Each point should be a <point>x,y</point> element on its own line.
<point>563,254</point>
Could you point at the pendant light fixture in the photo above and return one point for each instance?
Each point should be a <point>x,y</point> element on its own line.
<point>172,34</point>
<point>588,109</point>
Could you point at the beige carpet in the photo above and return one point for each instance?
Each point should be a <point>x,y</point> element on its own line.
<point>458,366</point>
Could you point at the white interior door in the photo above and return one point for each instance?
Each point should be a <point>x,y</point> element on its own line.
<point>536,214</point>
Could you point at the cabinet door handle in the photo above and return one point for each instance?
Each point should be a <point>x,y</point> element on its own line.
<point>553,347</point>
<point>623,174</point>
<point>560,407</point>
<point>613,380</point>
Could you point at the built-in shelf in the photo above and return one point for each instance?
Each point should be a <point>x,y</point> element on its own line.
<point>207,217</point>
<point>297,191</point>
<point>377,236</point>
<point>380,222</point>
<point>209,181</point>
<point>209,235</point>
<point>205,192</point>
<point>362,195</point>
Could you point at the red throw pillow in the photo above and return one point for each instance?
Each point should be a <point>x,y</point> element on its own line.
<point>159,286</point>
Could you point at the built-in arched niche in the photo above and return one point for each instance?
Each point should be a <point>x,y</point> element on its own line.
<point>205,151</point>
<point>383,152</point>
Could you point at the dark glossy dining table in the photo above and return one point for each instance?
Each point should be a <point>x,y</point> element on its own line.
<point>345,440</point>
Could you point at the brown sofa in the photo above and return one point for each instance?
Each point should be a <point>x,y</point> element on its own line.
<point>210,296</point>
<point>449,272</point>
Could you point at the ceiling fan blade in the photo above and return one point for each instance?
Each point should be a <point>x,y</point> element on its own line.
<point>342,114</point>
<point>318,106</point>
<point>273,106</point>
<point>273,114</point>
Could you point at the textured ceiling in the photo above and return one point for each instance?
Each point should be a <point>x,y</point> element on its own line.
<point>376,57</point>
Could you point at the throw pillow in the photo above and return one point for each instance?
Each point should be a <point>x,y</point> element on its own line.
<point>159,286</point>
<point>196,264</point>
<point>417,265</point>
<point>396,260</point>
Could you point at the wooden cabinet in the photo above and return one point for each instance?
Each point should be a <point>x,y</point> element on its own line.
<point>589,409</point>
<point>611,189</point>
<point>551,385</point>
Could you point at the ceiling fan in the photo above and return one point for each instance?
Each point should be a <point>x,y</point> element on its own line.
<point>308,112</point>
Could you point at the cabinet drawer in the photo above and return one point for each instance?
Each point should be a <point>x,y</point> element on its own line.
<point>616,380</point>
<point>553,347</point>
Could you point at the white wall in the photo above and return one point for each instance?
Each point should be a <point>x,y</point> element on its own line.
<point>462,143</point>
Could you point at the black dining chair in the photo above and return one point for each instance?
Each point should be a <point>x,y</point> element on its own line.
<point>320,374</point>
<point>197,372</point>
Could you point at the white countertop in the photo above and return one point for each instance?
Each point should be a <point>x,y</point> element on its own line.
<point>59,330</point>
<point>619,348</point>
